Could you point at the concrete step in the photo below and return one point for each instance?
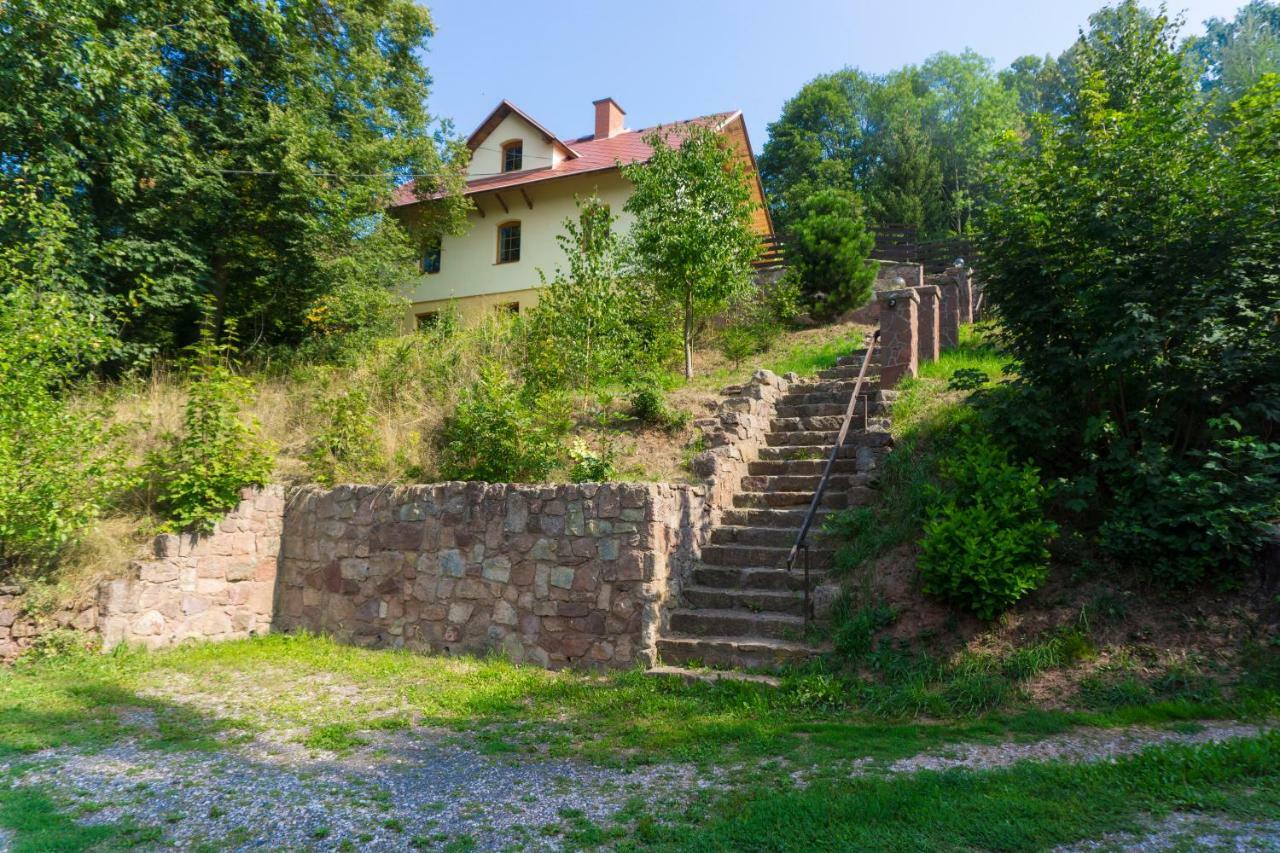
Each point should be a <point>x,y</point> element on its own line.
<point>741,577</point>
<point>711,676</point>
<point>736,623</point>
<point>767,500</point>
<point>762,556</point>
<point>749,600</point>
<point>792,467</point>
<point>800,482</point>
<point>738,652</point>
<point>764,537</point>
<point>790,518</point>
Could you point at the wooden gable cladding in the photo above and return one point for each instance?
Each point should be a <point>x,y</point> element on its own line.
<point>735,130</point>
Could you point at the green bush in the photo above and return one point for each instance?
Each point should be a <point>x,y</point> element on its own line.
<point>200,472</point>
<point>346,444</point>
<point>1131,253</point>
<point>591,466</point>
<point>59,465</point>
<point>984,544</point>
<point>497,435</point>
<point>649,406</point>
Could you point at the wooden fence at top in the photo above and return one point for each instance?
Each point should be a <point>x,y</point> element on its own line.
<point>899,243</point>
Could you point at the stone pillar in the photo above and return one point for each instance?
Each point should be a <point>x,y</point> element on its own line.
<point>979,302</point>
<point>928,340</point>
<point>964,288</point>
<point>899,335</point>
<point>948,313</point>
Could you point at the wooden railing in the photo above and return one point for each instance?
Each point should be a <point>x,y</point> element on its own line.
<point>893,243</point>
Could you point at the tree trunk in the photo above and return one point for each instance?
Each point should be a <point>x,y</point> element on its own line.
<point>688,333</point>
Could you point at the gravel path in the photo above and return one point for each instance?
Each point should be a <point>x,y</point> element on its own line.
<point>419,788</point>
<point>405,789</point>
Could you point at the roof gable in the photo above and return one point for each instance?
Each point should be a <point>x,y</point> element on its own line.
<point>500,112</point>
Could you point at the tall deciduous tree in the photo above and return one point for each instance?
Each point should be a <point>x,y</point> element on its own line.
<point>692,235</point>
<point>239,150</point>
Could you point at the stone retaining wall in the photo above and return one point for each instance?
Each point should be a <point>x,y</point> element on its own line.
<point>737,432</point>
<point>553,575</point>
<point>19,629</point>
<point>214,586</point>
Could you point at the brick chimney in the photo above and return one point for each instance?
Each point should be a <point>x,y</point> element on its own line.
<point>609,118</point>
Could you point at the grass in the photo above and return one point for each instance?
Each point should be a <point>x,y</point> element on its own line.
<point>1024,807</point>
<point>38,824</point>
<point>340,696</point>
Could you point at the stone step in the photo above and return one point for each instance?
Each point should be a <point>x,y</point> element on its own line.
<point>762,556</point>
<point>826,436</point>
<point>774,467</point>
<point>800,482</point>
<point>741,653</point>
<point>833,386</point>
<point>766,500</point>
<point>742,577</point>
<point>767,537</point>
<point>819,410</point>
<point>736,623</point>
<point>848,371</point>
<point>817,422</point>
<point>750,600</point>
<point>854,359</point>
<point>790,518</point>
<point>710,676</point>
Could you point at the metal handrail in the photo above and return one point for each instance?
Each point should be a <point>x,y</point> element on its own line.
<point>826,475</point>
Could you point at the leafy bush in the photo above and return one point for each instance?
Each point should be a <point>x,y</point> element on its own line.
<point>346,443</point>
<point>1182,518</point>
<point>590,466</point>
<point>649,405</point>
<point>59,464</point>
<point>1131,254</point>
<point>497,435</point>
<point>854,629</point>
<point>200,472</point>
<point>984,544</point>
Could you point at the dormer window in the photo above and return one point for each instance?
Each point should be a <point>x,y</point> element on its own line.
<point>513,156</point>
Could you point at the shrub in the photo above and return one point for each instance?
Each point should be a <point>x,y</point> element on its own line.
<point>59,465</point>
<point>345,444</point>
<point>854,629</point>
<point>649,406</point>
<point>590,466</point>
<point>968,379</point>
<point>829,247</point>
<point>1131,254</point>
<point>200,472</point>
<point>984,544</point>
<point>497,435</point>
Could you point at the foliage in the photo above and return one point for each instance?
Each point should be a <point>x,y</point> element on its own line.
<point>199,473</point>
<point>967,379</point>
<point>59,465</point>
<point>497,435</point>
<point>692,234</point>
<point>828,248</point>
<point>1235,54</point>
<point>591,466</point>
<point>1132,258</point>
<point>649,405</point>
<point>911,143</point>
<point>240,151</point>
<point>595,322</point>
<point>346,444</point>
<point>984,543</point>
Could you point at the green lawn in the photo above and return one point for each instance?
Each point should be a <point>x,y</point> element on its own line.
<point>332,698</point>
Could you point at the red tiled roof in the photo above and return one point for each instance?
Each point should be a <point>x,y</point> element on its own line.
<point>594,155</point>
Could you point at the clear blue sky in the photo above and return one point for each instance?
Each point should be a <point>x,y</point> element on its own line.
<point>664,60</point>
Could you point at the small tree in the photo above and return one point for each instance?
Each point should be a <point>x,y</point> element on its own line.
<point>693,237</point>
<point>829,248</point>
<point>592,321</point>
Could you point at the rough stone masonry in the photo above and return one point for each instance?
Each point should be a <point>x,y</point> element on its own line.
<point>576,574</point>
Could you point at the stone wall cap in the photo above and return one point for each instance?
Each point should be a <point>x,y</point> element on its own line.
<point>932,289</point>
<point>905,293</point>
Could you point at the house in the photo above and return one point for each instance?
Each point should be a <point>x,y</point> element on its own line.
<point>523,181</point>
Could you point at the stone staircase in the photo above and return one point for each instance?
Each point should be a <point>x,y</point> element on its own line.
<point>741,607</point>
